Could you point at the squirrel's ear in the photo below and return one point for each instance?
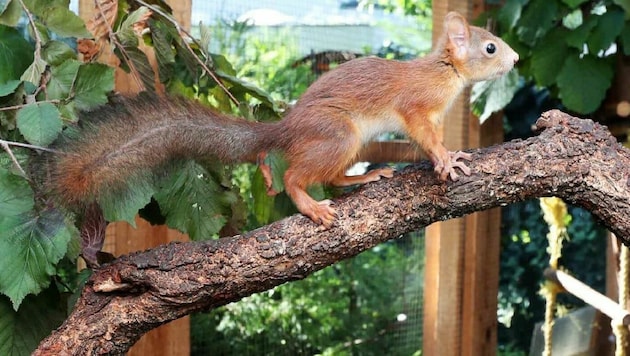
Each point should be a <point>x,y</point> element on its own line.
<point>456,28</point>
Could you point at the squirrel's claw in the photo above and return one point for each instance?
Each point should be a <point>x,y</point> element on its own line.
<point>458,164</point>
<point>324,213</point>
<point>445,166</point>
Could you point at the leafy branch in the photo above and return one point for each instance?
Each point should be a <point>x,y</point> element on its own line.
<point>189,37</point>
<point>559,41</point>
<point>6,145</point>
<point>44,96</point>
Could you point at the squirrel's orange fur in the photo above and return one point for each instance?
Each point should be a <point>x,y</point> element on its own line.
<point>321,135</point>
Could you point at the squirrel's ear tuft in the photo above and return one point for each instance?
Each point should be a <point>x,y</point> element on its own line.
<point>456,28</point>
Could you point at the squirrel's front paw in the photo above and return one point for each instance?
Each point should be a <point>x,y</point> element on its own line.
<point>454,163</point>
<point>323,213</point>
<point>446,164</point>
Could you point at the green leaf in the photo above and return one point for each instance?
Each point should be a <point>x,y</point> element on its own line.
<point>492,96</point>
<point>9,87</point>
<point>11,13</point>
<point>278,166</point>
<point>136,61</point>
<point>15,54</point>
<point>40,123</point>
<point>608,28</point>
<point>262,202</point>
<point>40,7</point>
<point>68,112</point>
<point>94,81</point>
<point>265,206</point>
<point>30,248</point>
<point>586,94</point>
<point>62,78</point>
<point>193,202</point>
<point>163,51</point>
<point>510,13</point>
<point>574,3</point>
<point>16,195</point>
<point>283,206</point>
<point>125,33</point>
<point>123,204</point>
<point>23,157</point>
<point>137,15</point>
<point>548,57</point>
<point>34,72</point>
<point>625,5</point>
<point>22,331</point>
<point>222,64</point>
<point>577,37</point>
<point>56,52</point>
<point>625,38</point>
<point>241,86</point>
<point>64,22</point>
<point>4,4</point>
<point>539,16</point>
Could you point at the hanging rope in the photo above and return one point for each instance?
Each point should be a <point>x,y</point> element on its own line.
<point>555,215</point>
<point>620,330</point>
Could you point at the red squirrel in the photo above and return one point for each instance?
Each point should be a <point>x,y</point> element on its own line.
<point>321,135</point>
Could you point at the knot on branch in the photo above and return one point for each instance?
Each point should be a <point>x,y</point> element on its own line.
<point>562,123</point>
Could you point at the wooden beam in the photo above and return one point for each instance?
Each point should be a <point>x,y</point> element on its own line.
<point>444,242</point>
<point>482,247</point>
<point>462,262</point>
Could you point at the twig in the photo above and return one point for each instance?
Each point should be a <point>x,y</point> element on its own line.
<point>37,55</point>
<point>201,63</point>
<point>27,145</point>
<point>590,296</point>
<point>6,147</point>
<point>112,38</point>
<point>17,107</point>
<point>38,39</point>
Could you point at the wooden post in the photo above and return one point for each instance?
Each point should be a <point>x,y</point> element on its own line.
<point>462,262</point>
<point>174,337</point>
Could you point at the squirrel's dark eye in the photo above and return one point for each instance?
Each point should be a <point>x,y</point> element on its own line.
<point>491,48</point>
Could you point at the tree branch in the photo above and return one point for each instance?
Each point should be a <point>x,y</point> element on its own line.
<point>572,158</point>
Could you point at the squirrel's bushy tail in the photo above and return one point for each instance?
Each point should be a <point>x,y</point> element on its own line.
<point>133,137</point>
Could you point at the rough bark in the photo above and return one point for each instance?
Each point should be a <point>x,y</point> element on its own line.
<point>572,158</point>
